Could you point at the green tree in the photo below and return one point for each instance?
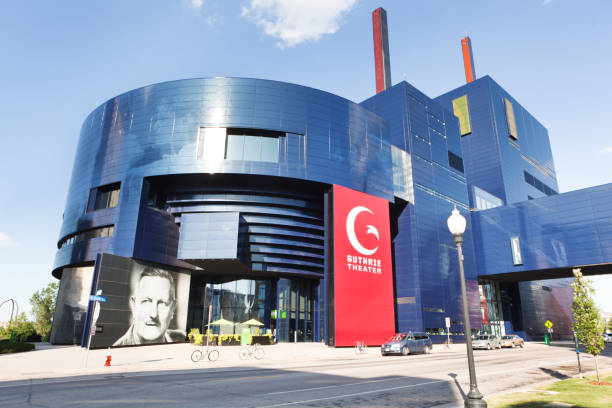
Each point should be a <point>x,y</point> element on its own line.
<point>20,326</point>
<point>588,323</point>
<point>43,306</point>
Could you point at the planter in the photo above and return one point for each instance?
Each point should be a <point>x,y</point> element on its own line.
<point>230,342</point>
<point>263,340</point>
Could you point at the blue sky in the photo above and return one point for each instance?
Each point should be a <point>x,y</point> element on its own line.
<point>60,60</point>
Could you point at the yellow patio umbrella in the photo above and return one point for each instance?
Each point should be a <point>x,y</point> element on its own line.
<point>222,322</point>
<point>252,322</point>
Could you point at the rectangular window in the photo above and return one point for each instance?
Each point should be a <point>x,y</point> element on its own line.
<point>455,161</point>
<point>238,144</point>
<point>484,200</point>
<point>211,144</point>
<point>517,257</point>
<point>535,182</point>
<point>103,197</point>
<point>510,122</point>
<point>402,174</point>
<point>461,111</point>
<point>235,147</point>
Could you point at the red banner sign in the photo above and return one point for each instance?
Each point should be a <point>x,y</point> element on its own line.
<point>363,271</point>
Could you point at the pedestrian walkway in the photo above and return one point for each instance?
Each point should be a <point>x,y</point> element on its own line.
<point>49,361</point>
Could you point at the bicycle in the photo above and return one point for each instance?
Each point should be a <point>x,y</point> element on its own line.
<point>250,351</point>
<point>360,347</point>
<point>211,352</point>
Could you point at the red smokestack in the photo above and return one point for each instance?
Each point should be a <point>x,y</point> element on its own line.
<point>468,59</point>
<point>381,49</point>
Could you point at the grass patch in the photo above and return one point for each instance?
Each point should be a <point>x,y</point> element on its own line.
<point>7,346</point>
<point>573,391</point>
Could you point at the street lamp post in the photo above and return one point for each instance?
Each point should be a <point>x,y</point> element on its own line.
<point>456,224</point>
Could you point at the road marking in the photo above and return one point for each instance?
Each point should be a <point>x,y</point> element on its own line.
<point>254,377</point>
<point>333,386</point>
<point>354,394</point>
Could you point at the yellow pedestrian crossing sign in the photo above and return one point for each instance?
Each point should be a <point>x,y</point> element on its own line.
<point>548,324</point>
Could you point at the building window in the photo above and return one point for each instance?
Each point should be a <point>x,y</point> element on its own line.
<point>99,232</point>
<point>402,174</point>
<point>515,245</point>
<point>455,161</point>
<point>103,197</point>
<point>211,144</point>
<point>238,144</point>
<point>535,182</point>
<point>510,122</point>
<point>484,200</point>
<point>461,111</point>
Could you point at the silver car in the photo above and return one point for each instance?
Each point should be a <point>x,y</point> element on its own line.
<point>486,341</point>
<point>512,340</point>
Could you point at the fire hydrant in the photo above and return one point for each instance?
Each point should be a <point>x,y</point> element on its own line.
<point>108,358</point>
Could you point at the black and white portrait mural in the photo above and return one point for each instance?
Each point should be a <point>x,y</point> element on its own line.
<point>145,303</point>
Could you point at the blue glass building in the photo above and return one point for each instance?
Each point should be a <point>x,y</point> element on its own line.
<point>230,178</point>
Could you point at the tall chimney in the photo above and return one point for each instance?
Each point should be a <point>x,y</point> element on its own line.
<point>468,59</point>
<point>381,49</point>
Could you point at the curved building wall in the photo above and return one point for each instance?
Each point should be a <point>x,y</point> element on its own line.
<point>153,131</point>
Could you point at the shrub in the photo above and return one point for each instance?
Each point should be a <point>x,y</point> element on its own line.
<point>7,346</point>
<point>22,328</point>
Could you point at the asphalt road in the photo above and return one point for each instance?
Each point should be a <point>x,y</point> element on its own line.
<point>412,381</point>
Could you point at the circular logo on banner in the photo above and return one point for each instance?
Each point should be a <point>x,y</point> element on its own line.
<point>350,231</point>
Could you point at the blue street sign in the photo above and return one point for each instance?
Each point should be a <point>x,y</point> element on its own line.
<point>97,298</point>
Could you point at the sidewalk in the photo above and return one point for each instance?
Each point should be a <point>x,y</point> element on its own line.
<point>49,361</point>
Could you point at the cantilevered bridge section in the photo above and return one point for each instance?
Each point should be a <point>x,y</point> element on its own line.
<point>546,237</point>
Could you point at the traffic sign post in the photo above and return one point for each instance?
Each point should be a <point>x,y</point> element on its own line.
<point>548,338</point>
<point>97,298</point>
<point>578,356</point>
<point>448,323</point>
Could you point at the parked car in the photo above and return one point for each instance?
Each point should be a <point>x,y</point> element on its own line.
<point>406,343</point>
<point>607,338</point>
<point>512,340</point>
<point>486,341</point>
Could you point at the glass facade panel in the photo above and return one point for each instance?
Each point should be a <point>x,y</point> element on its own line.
<point>212,141</point>
<point>252,148</point>
<point>492,318</point>
<point>235,147</point>
<point>461,111</point>
<point>510,119</point>
<point>484,200</point>
<point>269,149</point>
<point>402,174</point>
<point>100,232</point>
<point>103,197</point>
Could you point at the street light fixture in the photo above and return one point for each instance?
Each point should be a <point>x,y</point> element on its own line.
<point>456,225</point>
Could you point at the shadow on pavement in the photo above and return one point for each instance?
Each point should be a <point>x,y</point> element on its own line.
<point>454,377</point>
<point>554,373</point>
<point>247,387</point>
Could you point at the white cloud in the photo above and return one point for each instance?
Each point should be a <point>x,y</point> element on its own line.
<point>206,11</point>
<point>296,21</point>
<point>6,241</point>
<point>607,150</point>
<point>545,2</point>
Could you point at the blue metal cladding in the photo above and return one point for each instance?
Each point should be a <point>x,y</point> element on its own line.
<point>425,256</point>
<point>559,231</point>
<point>152,131</point>
<point>493,160</point>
